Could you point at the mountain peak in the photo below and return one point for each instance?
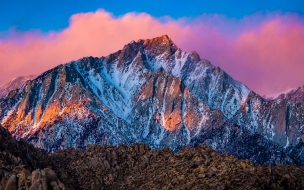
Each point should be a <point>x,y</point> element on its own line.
<point>164,38</point>
<point>158,46</point>
<point>161,41</point>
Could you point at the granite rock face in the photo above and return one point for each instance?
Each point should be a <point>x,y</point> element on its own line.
<point>153,92</point>
<point>21,178</point>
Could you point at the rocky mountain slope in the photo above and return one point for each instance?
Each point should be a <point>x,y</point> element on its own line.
<point>153,92</point>
<point>14,84</point>
<point>135,167</point>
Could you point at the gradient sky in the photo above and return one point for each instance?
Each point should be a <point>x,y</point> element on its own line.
<point>260,43</point>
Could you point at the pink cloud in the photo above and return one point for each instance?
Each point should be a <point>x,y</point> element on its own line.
<point>263,52</point>
<point>270,58</point>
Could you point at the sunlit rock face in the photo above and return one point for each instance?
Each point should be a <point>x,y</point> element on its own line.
<point>151,92</point>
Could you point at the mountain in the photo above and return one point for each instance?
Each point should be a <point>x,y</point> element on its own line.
<point>152,92</point>
<point>14,84</point>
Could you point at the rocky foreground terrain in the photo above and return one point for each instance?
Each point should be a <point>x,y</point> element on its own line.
<point>22,166</point>
<point>135,167</point>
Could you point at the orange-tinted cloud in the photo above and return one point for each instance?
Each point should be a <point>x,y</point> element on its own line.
<point>264,52</point>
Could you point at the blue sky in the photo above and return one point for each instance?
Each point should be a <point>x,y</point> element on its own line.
<point>53,15</point>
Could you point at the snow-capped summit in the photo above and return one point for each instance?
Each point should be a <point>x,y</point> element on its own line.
<point>151,92</point>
